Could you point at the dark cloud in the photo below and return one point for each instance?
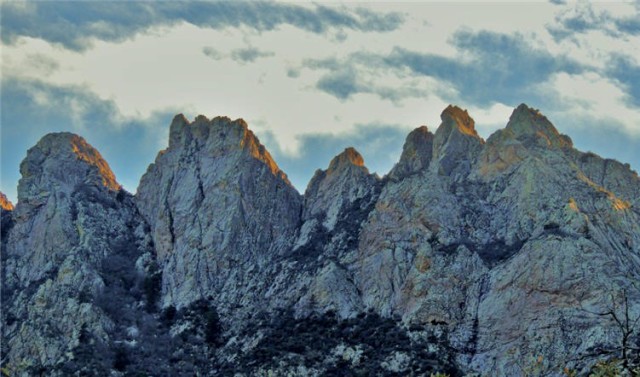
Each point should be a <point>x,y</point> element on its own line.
<point>341,84</point>
<point>344,78</point>
<point>627,72</point>
<point>31,109</point>
<point>346,82</point>
<point>496,68</point>
<point>249,54</point>
<point>629,25</point>
<point>379,144</point>
<point>74,24</point>
<point>503,68</point>
<point>293,72</point>
<point>585,18</point>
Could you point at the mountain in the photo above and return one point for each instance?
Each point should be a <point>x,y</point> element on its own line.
<point>512,256</point>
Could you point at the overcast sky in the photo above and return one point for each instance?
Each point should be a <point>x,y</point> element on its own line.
<point>312,78</point>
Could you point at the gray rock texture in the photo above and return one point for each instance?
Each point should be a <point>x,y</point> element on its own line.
<point>71,222</point>
<point>220,211</point>
<point>416,154</point>
<point>514,256</point>
<point>336,204</point>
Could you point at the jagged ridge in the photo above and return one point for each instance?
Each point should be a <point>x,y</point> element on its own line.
<point>497,246</point>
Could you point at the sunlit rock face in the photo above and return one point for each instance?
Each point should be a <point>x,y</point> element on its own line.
<point>6,207</point>
<point>220,211</point>
<point>500,253</point>
<point>508,247</point>
<point>5,204</point>
<point>71,221</point>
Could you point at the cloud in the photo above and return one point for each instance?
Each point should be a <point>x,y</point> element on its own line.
<point>240,55</point>
<point>249,54</point>
<point>75,24</point>
<point>379,144</point>
<point>489,68</point>
<point>492,67</point>
<point>593,96</point>
<point>585,18</point>
<point>30,109</point>
<point>42,64</point>
<point>365,73</point>
<point>627,72</point>
<point>341,84</point>
<point>293,72</point>
<point>212,53</point>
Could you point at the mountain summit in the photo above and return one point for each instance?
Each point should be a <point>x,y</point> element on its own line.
<point>470,257</point>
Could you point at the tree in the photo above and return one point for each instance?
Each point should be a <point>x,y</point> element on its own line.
<point>212,327</point>
<point>619,312</point>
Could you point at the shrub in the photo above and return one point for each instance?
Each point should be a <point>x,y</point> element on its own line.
<point>152,288</point>
<point>212,327</point>
<point>120,359</point>
<point>168,315</point>
<point>609,368</point>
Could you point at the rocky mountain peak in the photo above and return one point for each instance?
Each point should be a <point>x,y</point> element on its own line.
<point>331,191</point>
<point>528,124</point>
<point>5,203</point>
<point>456,142</point>
<point>455,116</point>
<point>347,158</point>
<point>176,129</point>
<point>61,161</point>
<point>215,188</point>
<point>416,153</point>
<point>218,136</point>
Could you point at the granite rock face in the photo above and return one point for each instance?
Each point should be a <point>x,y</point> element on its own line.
<point>73,231</point>
<point>416,154</point>
<point>512,256</point>
<point>336,204</point>
<point>219,209</point>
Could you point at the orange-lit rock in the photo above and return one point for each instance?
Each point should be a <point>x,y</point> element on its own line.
<point>5,204</point>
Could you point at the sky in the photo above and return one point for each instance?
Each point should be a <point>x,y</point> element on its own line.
<point>309,78</point>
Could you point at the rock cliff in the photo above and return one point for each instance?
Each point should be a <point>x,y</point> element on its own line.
<point>75,249</point>
<point>220,210</point>
<point>514,256</point>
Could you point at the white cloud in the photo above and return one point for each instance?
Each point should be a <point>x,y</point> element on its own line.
<point>594,96</point>
<point>491,119</point>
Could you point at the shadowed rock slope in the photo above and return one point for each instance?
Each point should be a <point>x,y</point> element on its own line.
<point>73,263</point>
<point>510,256</point>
